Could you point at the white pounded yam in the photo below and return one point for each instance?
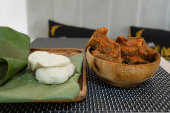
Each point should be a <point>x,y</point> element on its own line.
<point>54,75</point>
<point>40,59</point>
<point>36,57</point>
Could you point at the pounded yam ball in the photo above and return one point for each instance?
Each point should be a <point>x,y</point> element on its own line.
<point>50,68</point>
<point>40,59</point>
<point>54,75</point>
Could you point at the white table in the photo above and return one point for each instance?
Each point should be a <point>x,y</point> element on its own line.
<point>165,65</point>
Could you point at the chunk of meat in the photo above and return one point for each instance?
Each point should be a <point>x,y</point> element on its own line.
<point>135,50</point>
<point>103,47</point>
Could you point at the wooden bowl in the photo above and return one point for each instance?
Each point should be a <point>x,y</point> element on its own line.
<point>122,75</point>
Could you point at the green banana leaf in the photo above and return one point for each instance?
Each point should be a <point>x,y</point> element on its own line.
<point>23,87</point>
<point>14,51</point>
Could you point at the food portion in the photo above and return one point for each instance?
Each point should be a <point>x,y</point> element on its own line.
<point>131,50</point>
<point>54,75</point>
<point>135,50</point>
<point>39,59</point>
<point>50,68</point>
<point>103,47</point>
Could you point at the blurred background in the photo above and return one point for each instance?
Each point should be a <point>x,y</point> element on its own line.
<point>33,17</point>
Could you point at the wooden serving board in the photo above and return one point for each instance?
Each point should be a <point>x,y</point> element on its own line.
<point>82,80</point>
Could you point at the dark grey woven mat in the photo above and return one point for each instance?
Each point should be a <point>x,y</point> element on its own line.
<point>60,43</point>
<point>151,96</point>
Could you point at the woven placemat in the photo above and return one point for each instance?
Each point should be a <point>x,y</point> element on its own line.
<point>151,96</point>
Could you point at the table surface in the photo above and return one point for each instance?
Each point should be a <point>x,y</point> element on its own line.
<point>151,96</point>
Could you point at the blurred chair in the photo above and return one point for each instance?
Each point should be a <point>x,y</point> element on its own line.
<point>116,15</point>
<point>61,30</point>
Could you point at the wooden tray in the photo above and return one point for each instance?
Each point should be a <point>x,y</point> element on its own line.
<point>82,80</point>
